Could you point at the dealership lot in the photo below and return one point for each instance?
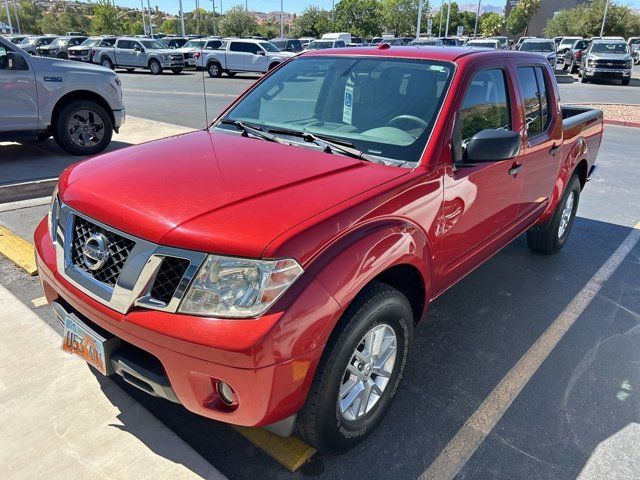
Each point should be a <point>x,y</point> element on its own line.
<point>578,414</point>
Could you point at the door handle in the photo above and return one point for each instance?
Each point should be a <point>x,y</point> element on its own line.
<point>555,149</point>
<point>515,168</point>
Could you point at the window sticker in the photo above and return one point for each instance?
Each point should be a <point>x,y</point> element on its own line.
<point>347,107</point>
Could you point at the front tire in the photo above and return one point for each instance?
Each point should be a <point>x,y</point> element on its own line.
<point>214,69</point>
<point>83,127</point>
<point>550,237</point>
<point>106,63</point>
<point>626,81</point>
<point>155,67</point>
<point>360,371</point>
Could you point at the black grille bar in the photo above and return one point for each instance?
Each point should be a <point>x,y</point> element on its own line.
<point>168,278</point>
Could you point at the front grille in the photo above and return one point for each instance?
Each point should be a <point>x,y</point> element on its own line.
<point>168,278</point>
<point>78,52</point>
<point>119,249</point>
<point>177,57</point>
<point>610,63</point>
<point>188,55</point>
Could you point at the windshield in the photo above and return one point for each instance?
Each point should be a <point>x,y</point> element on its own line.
<point>635,41</point>
<point>426,42</point>
<point>279,43</point>
<point>153,45</point>
<point>538,47</point>
<point>194,44</point>
<point>481,44</point>
<point>45,40</point>
<point>581,44</point>
<point>617,47</point>
<point>567,42</point>
<point>28,41</point>
<point>269,47</point>
<point>319,45</point>
<point>90,41</point>
<point>59,42</point>
<point>383,107</point>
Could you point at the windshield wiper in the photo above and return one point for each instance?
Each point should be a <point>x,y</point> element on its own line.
<point>329,146</point>
<point>248,130</point>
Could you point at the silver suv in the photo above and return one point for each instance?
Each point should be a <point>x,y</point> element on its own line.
<point>606,59</point>
<point>59,47</point>
<point>132,53</point>
<point>80,105</point>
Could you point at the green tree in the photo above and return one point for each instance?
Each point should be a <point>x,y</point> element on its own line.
<point>586,20</point>
<point>491,24</point>
<point>106,19</point>
<point>170,26</point>
<point>359,17</point>
<point>516,21</point>
<point>401,16</point>
<point>29,15</point>
<point>237,22</point>
<point>313,22</point>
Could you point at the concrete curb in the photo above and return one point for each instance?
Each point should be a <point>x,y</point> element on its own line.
<point>62,420</point>
<point>622,123</point>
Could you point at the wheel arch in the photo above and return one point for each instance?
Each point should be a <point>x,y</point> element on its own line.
<point>80,95</point>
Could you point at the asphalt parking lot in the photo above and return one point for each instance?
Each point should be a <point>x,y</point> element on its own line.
<point>577,417</point>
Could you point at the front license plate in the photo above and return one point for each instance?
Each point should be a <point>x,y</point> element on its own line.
<point>80,340</point>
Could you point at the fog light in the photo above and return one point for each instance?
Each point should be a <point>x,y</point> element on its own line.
<point>226,393</point>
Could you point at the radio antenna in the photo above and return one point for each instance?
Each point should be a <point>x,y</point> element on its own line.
<point>204,93</point>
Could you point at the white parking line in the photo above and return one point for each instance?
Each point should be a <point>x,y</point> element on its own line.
<point>34,202</point>
<point>464,444</point>
<point>171,92</point>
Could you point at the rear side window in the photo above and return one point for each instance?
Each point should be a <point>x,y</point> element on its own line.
<point>485,104</point>
<point>125,44</point>
<point>236,47</point>
<point>535,97</point>
<point>108,42</point>
<point>214,44</point>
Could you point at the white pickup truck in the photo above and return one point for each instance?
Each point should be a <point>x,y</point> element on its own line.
<point>242,55</point>
<point>79,104</point>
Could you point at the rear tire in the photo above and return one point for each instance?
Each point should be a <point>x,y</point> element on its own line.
<point>231,74</point>
<point>273,65</point>
<point>106,62</point>
<point>83,127</point>
<point>130,70</point>
<point>626,81</point>
<point>177,71</point>
<point>550,237</point>
<point>336,415</point>
<point>63,56</point>
<point>155,67</point>
<point>214,69</point>
<point>565,66</point>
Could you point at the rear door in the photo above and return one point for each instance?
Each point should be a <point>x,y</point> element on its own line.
<point>480,202</point>
<point>124,52</point>
<point>19,100</point>
<point>236,56</point>
<point>542,130</point>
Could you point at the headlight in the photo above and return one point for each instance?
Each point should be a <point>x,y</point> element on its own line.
<point>166,58</point>
<point>628,64</point>
<point>52,217</point>
<point>238,287</point>
<point>117,80</point>
<point>591,63</point>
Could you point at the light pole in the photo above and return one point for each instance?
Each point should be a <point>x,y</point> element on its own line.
<point>6,6</point>
<point>281,19</point>
<point>144,25</point>
<point>446,28</point>
<point>15,12</point>
<point>150,22</point>
<point>419,19</point>
<point>181,19</point>
<point>475,29</point>
<point>213,7</point>
<point>604,17</point>
<point>440,25</point>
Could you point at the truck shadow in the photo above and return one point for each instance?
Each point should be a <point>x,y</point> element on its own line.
<point>582,399</point>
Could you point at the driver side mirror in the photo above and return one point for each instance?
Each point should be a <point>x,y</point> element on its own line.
<point>137,48</point>
<point>492,145</point>
<point>260,52</point>
<point>15,61</point>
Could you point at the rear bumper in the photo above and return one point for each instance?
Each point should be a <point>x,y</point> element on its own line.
<point>191,362</point>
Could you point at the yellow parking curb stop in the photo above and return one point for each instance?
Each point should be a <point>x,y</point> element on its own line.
<point>18,250</point>
<point>290,452</point>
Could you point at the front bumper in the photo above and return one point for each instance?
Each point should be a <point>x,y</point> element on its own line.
<point>119,117</point>
<point>80,58</point>
<point>607,72</point>
<point>195,353</point>
<point>172,64</point>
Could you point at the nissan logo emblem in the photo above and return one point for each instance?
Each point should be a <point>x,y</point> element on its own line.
<point>95,251</point>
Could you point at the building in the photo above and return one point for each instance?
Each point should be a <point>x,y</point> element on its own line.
<point>546,11</point>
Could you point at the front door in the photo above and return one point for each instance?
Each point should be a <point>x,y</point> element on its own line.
<point>236,56</point>
<point>256,58</point>
<point>480,202</point>
<point>18,95</point>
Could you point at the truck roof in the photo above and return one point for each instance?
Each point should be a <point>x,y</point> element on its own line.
<point>448,54</point>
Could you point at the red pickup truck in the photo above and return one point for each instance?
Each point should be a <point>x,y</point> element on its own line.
<point>270,269</point>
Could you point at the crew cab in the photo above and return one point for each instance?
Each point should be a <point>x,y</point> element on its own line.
<point>242,55</point>
<point>80,105</point>
<point>59,47</point>
<point>31,44</point>
<point>132,53</point>
<point>193,49</point>
<point>273,276</point>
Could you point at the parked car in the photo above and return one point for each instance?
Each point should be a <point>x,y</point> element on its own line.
<point>174,42</point>
<point>31,44</point>
<point>484,43</point>
<point>573,55</point>
<point>345,37</point>
<point>557,40</point>
<point>16,39</point>
<point>564,45</point>
<point>435,42</point>
<point>288,44</point>
<point>273,276</point>
<point>606,59</point>
<point>243,55</point>
<point>80,105</point>
<point>504,42</point>
<point>86,51</point>
<point>194,49</point>
<point>305,41</point>
<point>132,53</point>
<point>325,44</point>
<point>634,47</point>
<point>519,42</point>
<point>451,41</point>
<point>59,47</point>
<point>543,46</point>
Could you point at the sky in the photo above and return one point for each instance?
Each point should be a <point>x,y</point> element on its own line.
<point>292,6</point>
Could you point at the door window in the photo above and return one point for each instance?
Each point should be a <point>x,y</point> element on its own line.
<point>3,58</point>
<point>125,44</point>
<point>252,48</point>
<point>236,47</point>
<point>485,105</point>
<point>534,95</point>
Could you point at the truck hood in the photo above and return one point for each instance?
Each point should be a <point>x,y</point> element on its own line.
<point>58,66</point>
<point>215,192</point>
<point>609,56</point>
